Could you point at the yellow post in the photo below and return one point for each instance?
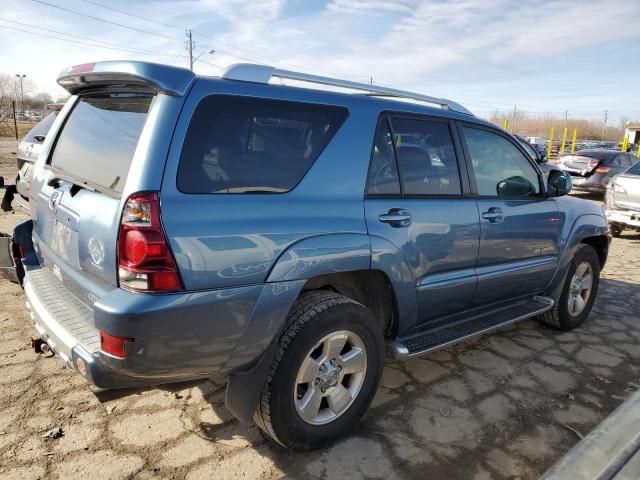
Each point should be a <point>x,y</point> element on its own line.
<point>505,124</point>
<point>638,152</point>
<point>550,147</point>
<point>564,140</point>
<point>625,143</point>
<point>573,140</point>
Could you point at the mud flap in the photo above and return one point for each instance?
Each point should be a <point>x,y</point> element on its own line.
<point>243,389</point>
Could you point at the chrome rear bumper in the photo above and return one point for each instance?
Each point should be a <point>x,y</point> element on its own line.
<point>60,319</point>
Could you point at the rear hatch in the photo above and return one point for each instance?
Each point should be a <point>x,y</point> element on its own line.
<point>580,165</point>
<point>78,191</point>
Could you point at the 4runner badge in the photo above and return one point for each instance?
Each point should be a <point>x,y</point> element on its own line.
<point>96,250</point>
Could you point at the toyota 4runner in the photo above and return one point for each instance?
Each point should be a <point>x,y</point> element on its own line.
<point>287,237</point>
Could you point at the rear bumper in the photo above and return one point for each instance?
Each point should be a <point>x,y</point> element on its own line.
<point>177,337</point>
<point>624,217</point>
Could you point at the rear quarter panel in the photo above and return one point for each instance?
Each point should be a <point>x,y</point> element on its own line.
<point>223,240</point>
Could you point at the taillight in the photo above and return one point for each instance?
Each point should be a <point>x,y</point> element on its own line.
<point>602,170</point>
<point>592,164</point>
<point>114,345</point>
<point>145,262</point>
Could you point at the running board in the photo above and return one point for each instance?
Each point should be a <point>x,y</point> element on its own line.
<point>467,328</point>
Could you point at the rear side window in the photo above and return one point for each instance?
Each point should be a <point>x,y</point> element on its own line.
<point>383,171</point>
<point>99,138</point>
<point>244,145</point>
<point>41,129</point>
<point>426,157</point>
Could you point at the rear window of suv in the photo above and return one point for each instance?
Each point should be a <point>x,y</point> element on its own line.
<point>99,138</point>
<point>41,129</point>
<point>249,145</point>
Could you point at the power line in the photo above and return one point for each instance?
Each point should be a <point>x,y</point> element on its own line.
<point>107,21</point>
<point>195,32</point>
<point>78,42</point>
<point>124,47</point>
<point>122,12</point>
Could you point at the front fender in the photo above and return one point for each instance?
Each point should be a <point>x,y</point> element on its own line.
<point>583,226</point>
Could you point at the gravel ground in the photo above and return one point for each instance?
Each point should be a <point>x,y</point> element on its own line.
<point>503,406</point>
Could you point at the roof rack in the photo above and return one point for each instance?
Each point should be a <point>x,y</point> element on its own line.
<point>250,72</point>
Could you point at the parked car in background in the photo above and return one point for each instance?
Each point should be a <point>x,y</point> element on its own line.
<point>286,239</point>
<point>592,170</point>
<point>536,156</point>
<point>29,149</point>
<point>623,201</point>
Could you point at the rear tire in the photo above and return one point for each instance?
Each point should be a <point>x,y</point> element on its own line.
<point>306,371</point>
<point>616,230</point>
<point>570,311</point>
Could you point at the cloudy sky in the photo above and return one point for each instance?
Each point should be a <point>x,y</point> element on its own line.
<point>543,56</point>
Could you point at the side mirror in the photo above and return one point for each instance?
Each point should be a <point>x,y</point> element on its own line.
<point>515,187</point>
<point>542,157</point>
<point>559,183</point>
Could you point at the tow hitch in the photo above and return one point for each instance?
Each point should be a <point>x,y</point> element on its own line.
<point>40,346</point>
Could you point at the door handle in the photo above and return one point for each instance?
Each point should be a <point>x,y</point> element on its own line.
<point>494,215</point>
<point>397,217</point>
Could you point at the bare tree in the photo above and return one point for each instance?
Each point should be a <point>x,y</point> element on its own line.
<point>7,95</point>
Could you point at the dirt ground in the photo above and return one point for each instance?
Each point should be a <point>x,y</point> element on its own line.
<point>504,406</point>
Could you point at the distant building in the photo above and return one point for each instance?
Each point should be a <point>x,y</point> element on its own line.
<point>632,132</point>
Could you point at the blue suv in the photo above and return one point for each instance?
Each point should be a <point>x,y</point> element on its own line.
<point>289,238</point>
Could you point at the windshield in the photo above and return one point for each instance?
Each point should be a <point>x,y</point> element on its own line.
<point>530,151</point>
<point>99,138</point>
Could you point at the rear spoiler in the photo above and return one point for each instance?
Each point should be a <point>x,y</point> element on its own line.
<point>158,77</point>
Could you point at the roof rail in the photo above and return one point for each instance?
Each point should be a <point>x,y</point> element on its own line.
<point>250,72</point>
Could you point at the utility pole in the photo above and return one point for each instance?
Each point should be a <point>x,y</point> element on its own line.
<point>604,125</point>
<point>190,48</point>
<point>566,116</point>
<point>371,80</point>
<point>514,118</point>
<point>21,78</point>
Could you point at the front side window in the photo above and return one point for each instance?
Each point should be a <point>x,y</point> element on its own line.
<point>426,157</point>
<point>499,167</point>
<point>251,145</point>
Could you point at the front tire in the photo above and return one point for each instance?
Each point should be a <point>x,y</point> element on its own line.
<point>578,293</point>
<point>324,374</point>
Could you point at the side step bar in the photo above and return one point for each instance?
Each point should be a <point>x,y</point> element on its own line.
<point>467,328</point>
